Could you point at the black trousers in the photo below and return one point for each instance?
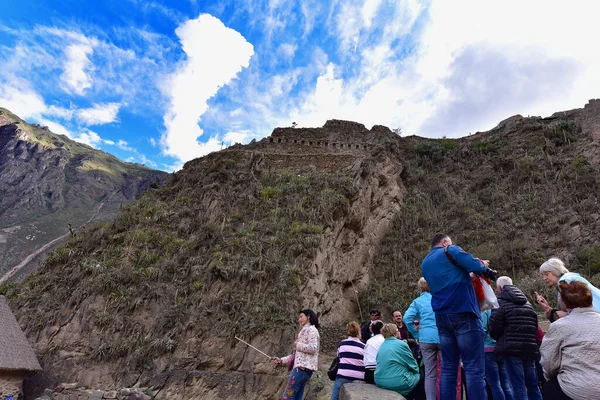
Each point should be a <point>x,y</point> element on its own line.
<point>552,391</point>
<point>370,376</point>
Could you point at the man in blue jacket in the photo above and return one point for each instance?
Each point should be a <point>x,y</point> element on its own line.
<point>446,269</point>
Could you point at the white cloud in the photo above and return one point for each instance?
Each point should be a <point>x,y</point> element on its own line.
<point>54,127</point>
<point>273,4</point>
<point>172,167</point>
<point>29,105</point>
<point>349,26</point>
<point>146,161</point>
<point>123,145</point>
<point>60,112</point>
<point>85,136</point>
<point>329,100</point>
<point>369,10</point>
<point>75,77</point>
<point>287,50</point>
<point>470,59</point>
<point>21,101</point>
<point>461,69</point>
<point>90,138</point>
<point>235,137</point>
<point>310,9</point>
<point>99,114</point>
<point>196,81</point>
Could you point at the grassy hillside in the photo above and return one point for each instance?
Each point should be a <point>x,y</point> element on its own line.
<point>514,197</point>
<point>218,243</point>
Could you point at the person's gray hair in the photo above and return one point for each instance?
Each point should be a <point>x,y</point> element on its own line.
<point>422,285</point>
<point>555,266</point>
<point>503,281</point>
<point>389,330</point>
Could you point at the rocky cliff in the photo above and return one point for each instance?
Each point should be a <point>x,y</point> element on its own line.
<point>336,218</point>
<point>48,181</point>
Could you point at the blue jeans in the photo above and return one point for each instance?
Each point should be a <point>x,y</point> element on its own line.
<point>461,337</point>
<point>497,377</point>
<point>295,386</point>
<point>523,377</point>
<point>337,386</point>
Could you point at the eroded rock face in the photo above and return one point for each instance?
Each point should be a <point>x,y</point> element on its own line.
<point>343,261</point>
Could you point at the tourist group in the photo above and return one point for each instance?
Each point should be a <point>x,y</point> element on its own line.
<point>467,336</point>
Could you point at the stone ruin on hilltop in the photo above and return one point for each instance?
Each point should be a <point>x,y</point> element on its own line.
<point>330,148</point>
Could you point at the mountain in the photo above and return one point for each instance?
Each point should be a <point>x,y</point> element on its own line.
<point>49,182</point>
<point>336,219</point>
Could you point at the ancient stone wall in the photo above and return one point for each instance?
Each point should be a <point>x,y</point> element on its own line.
<point>10,383</point>
<point>301,162</point>
<point>591,118</point>
<point>300,144</point>
<point>334,137</point>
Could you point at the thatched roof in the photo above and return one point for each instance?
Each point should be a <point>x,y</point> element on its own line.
<point>16,353</point>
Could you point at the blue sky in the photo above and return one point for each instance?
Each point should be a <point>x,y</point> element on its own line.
<point>161,83</point>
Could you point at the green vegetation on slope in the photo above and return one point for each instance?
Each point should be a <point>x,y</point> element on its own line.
<point>511,199</point>
<point>220,247</point>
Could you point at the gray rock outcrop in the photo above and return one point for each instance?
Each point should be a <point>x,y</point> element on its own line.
<point>364,391</point>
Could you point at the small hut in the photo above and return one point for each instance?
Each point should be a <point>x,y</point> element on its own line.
<point>16,355</point>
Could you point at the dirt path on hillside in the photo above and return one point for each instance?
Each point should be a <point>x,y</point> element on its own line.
<point>45,247</point>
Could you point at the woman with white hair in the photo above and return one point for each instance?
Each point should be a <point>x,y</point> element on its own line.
<point>554,272</point>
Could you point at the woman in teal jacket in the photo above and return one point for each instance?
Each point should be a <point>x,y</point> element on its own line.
<point>397,369</point>
<point>429,339</point>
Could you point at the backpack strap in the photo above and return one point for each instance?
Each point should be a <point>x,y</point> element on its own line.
<point>450,258</point>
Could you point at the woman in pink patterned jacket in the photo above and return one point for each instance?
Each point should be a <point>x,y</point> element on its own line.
<point>304,359</point>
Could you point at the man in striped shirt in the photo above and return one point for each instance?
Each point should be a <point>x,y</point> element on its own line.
<point>351,352</point>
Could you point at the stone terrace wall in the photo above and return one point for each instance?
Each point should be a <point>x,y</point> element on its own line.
<point>304,145</point>
<point>301,162</point>
<point>334,137</point>
<point>10,382</point>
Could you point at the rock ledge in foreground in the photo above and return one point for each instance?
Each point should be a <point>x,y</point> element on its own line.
<point>363,391</point>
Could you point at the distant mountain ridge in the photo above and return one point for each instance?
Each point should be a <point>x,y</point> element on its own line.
<point>48,181</point>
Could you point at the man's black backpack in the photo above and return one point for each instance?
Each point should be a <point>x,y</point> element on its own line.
<point>333,368</point>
